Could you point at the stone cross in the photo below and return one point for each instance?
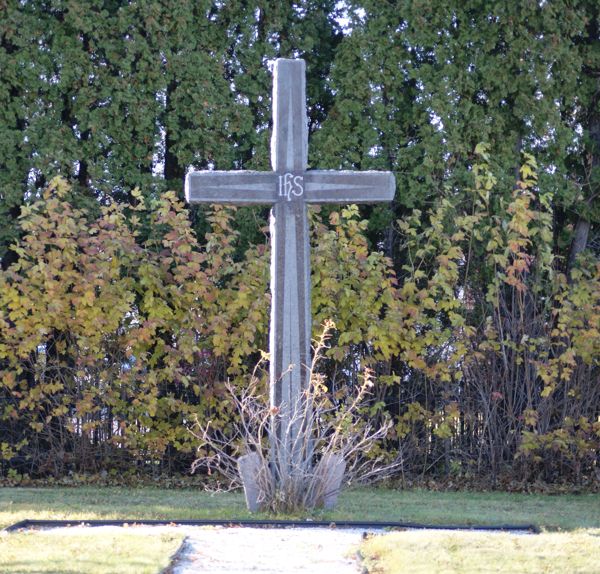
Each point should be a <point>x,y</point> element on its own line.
<point>289,188</point>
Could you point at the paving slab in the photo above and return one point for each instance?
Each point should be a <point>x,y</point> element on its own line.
<point>270,551</point>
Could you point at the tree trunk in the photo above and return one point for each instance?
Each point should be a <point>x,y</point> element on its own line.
<point>579,243</point>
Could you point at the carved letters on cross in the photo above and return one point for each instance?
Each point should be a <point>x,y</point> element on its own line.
<point>291,185</point>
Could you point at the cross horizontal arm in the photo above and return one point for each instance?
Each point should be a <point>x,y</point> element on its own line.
<point>237,187</point>
<point>323,186</point>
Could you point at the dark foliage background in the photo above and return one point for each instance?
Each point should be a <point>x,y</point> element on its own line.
<point>475,295</point>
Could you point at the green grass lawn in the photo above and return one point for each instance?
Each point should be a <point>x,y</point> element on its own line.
<point>89,503</point>
<point>82,550</point>
<point>426,552</point>
<point>552,513</point>
<point>564,512</point>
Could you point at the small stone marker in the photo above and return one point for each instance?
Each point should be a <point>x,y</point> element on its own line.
<point>289,188</point>
<point>249,467</point>
<point>329,474</point>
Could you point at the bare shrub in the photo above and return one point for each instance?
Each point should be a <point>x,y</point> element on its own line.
<point>333,441</point>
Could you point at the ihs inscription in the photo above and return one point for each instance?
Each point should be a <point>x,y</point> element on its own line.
<point>291,185</point>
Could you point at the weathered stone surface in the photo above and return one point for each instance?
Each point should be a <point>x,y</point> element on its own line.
<point>289,140</point>
<point>235,187</point>
<point>249,467</point>
<point>325,186</point>
<point>329,474</point>
<point>288,189</point>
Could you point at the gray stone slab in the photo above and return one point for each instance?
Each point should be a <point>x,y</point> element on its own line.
<point>313,186</point>
<point>249,467</point>
<point>289,140</point>
<point>328,476</point>
<point>325,186</point>
<point>235,187</point>
<point>290,318</point>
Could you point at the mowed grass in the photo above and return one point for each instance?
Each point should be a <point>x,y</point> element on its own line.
<point>421,551</point>
<point>81,550</point>
<point>473,552</point>
<point>551,512</point>
<point>564,512</point>
<point>426,552</point>
<point>105,503</point>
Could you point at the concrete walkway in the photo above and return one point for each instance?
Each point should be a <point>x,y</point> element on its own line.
<point>269,551</point>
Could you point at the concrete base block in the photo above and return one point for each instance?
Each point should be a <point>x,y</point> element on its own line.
<point>329,475</point>
<point>249,469</point>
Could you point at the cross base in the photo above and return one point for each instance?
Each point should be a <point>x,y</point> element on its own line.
<point>317,488</point>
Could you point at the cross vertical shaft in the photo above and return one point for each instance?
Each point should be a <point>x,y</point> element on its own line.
<point>290,262</point>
